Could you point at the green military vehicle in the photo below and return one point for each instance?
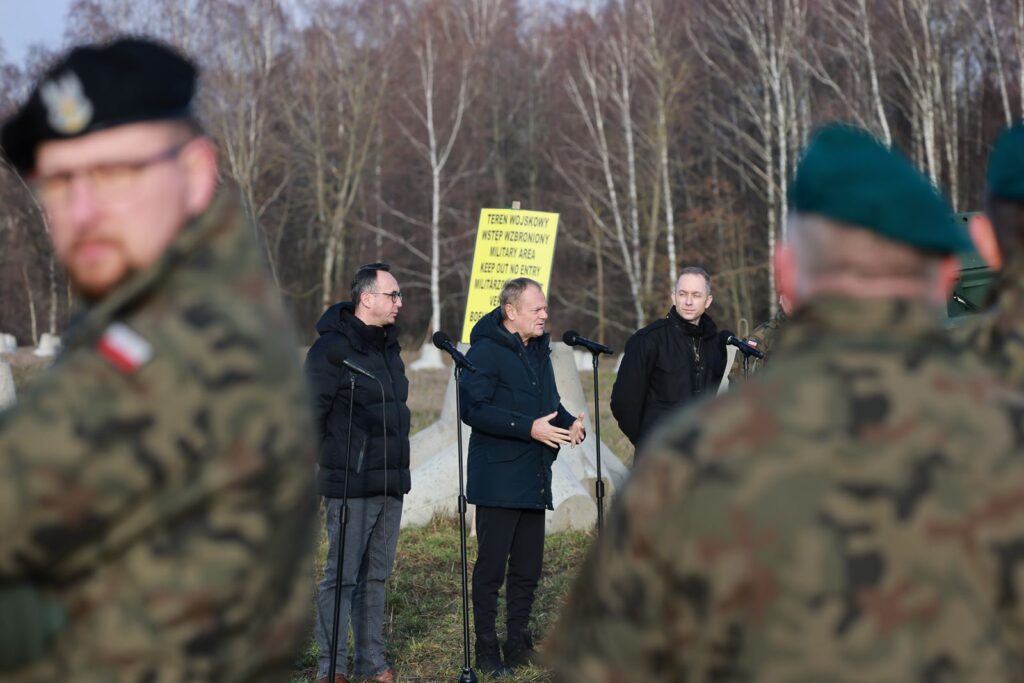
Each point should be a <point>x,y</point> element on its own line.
<point>969,294</point>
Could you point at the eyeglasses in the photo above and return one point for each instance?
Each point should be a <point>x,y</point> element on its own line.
<point>108,181</point>
<point>396,295</point>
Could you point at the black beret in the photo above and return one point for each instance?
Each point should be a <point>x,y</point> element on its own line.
<point>100,86</point>
<point>848,175</point>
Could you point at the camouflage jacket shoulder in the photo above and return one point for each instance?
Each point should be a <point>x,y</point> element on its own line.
<point>995,337</point>
<point>766,331</point>
<point>764,337</point>
<point>158,480</point>
<point>833,519</point>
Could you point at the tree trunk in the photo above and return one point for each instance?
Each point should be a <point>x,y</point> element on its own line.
<point>31,307</point>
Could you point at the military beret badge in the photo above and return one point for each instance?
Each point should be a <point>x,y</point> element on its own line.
<point>68,110</point>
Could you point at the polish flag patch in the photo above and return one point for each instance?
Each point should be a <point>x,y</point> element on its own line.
<point>125,348</point>
<point>752,342</point>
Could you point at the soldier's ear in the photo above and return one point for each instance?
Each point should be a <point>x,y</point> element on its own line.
<point>199,159</point>
<point>784,302</point>
<point>984,237</point>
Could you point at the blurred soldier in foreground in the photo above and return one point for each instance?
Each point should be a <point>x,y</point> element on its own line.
<point>762,338</point>
<point>363,331</point>
<point>853,513</point>
<point>519,423</point>
<point>997,336</point>
<point>671,362</point>
<point>157,482</point>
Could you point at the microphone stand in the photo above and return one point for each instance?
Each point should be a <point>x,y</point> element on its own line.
<point>343,523</point>
<point>599,484</point>
<point>468,675</point>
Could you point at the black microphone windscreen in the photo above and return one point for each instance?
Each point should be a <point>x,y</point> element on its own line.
<point>441,340</point>
<point>570,337</point>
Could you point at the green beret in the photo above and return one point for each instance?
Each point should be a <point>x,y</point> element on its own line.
<point>1005,177</point>
<point>100,86</point>
<point>847,175</point>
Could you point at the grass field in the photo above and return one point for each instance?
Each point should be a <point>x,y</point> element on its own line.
<point>424,605</point>
<point>423,626</point>
<point>424,611</point>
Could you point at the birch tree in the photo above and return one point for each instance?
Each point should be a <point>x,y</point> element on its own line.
<point>439,127</point>
<point>667,76</point>
<point>601,90</point>
<point>240,100</point>
<point>332,122</point>
<point>770,30</point>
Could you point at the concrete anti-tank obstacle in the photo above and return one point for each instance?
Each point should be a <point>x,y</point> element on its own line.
<point>49,344</point>
<point>7,392</point>
<point>8,343</point>
<point>434,461</point>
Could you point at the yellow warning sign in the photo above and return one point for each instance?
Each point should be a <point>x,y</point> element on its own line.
<point>509,244</point>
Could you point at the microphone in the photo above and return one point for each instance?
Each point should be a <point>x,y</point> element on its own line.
<point>573,339</point>
<point>444,342</point>
<point>336,357</point>
<point>743,346</point>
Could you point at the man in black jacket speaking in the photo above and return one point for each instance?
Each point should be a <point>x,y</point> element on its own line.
<point>518,422</point>
<point>673,360</point>
<point>364,332</point>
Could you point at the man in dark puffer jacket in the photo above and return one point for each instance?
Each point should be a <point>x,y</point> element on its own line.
<point>671,362</point>
<point>518,422</point>
<point>364,332</point>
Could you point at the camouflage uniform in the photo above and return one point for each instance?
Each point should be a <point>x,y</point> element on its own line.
<point>169,506</point>
<point>765,336</point>
<point>997,335</point>
<point>853,513</point>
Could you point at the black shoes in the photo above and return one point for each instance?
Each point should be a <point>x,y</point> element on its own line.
<point>519,651</point>
<point>488,658</point>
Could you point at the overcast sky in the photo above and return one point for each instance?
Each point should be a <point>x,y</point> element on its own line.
<point>24,22</point>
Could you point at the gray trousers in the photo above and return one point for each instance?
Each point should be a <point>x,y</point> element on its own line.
<point>370,542</point>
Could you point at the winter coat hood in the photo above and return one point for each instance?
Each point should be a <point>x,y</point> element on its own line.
<point>490,327</point>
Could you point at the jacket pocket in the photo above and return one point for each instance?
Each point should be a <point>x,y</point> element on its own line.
<point>506,453</point>
<point>359,441</point>
<point>669,382</point>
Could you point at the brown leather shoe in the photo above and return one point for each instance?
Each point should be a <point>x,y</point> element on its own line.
<point>338,678</point>
<point>388,675</point>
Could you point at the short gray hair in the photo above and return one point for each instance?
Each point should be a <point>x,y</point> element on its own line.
<point>513,289</point>
<point>826,247</point>
<point>696,270</point>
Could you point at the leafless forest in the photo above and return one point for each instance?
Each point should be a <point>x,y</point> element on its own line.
<point>663,131</point>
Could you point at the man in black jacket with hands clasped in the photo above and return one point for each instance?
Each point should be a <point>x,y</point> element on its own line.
<point>364,332</point>
<point>670,362</point>
<point>518,422</point>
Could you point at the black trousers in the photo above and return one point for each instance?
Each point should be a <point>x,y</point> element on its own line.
<point>511,538</point>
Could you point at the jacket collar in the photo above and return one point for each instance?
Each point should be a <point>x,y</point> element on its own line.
<point>490,327</point>
<point>868,322</point>
<point>340,318</point>
<point>705,327</point>
<point>365,336</point>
